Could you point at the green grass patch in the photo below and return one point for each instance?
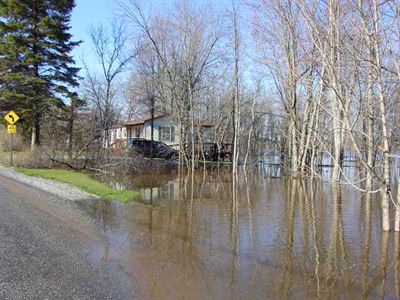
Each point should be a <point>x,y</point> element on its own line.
<point>84,182</point>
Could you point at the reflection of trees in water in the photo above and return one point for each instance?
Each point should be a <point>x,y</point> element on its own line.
<point>372,285</point>
<point>379,280</point>
<point>367,203</point>
<point>397,264</point>
<point>174,234</point>
<point>327,269</point>
<point>286,282</point>
<point>184,234</point>
<point>108,215</point>
<point>255,273</point>
<point>105,212</point>
<point>383,261</point>
<point>234,232</point>
<point>311,222</point>
<point>175,186</point>
<point>221,241</point>
<point>336,264</point>
<point>318,267</point>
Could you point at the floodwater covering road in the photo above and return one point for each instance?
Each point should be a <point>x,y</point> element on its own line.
<point>199,237</point>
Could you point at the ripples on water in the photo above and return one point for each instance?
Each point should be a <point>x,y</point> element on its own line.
<point>205,237</point>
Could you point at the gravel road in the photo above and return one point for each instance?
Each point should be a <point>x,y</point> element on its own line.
<point>61,190</point>
<point>42,237</point>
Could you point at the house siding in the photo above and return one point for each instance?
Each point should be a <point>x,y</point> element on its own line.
<point>161,123</point>
<point>118,136</point>
<point>133,131</point>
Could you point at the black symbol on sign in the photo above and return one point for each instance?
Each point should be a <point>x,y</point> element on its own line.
<point>11,117</point>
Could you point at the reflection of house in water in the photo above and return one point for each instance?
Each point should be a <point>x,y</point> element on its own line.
<point>117,185</point>
<point>166,192</point>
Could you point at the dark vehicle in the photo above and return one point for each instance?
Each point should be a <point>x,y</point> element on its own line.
<point>214,154</point>
<point>210,151</point>
<point>144,147</point>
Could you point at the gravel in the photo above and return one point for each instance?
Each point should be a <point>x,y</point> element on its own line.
<point>61,190</point>
<point>50,252</point>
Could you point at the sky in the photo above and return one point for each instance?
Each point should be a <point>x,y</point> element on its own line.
<point>93,12</point>
<point>85,14</point>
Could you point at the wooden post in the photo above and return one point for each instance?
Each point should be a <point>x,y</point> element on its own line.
<point>11,149</point>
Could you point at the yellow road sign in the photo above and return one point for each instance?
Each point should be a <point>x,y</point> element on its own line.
<point>12,129</point>
<point>11,118</point>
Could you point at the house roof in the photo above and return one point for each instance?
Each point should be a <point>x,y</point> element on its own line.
<point>147,117</point>
<point>143,119</point>
<point>117,126</point>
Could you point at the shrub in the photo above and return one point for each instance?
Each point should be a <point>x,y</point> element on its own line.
<point>33,159</point>
<point>18,144</point>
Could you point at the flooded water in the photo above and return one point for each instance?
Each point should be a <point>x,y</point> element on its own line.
<point>208,237</point>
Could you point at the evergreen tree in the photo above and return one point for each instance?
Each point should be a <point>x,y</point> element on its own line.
<point>36,68</point>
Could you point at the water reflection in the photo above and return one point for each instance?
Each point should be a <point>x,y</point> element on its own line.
<point>214,236</point>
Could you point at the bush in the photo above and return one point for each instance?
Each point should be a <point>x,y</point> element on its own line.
<point>33,159</point>
<point>18,144</point>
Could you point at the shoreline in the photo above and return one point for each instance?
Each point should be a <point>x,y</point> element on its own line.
<point>59,189</point>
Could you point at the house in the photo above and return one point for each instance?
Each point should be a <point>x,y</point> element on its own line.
<point>165,130</point>
<point>115,137</point>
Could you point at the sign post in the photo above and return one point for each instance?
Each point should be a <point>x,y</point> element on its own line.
<point>11,149</point>
<point>11,119</point>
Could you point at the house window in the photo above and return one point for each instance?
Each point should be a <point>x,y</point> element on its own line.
<point>137,131</point>
<point>167,133</point>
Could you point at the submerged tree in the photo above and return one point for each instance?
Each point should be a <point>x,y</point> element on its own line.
<point>36,68</point>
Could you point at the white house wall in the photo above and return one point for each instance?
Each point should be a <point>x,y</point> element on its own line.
<point>160,123</point>
<point>114,134</point>
<point>121,133</point>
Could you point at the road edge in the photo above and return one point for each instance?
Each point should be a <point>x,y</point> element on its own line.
<point>61,190</point>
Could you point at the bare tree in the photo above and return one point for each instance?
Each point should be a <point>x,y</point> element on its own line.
<point>149,77</point>
<point>113,57</point>
<point>236,92</point>
<point>277,32</point>
<point>184,42</point>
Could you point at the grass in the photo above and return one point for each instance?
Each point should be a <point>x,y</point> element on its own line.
<point>82,181</point>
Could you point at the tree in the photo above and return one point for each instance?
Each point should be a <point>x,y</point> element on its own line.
<point>148,76</point>
<point>278,34</point>
<point>110,52</point>
<point>185,43</point>
<point>236,92</point>
<point>36,68</point>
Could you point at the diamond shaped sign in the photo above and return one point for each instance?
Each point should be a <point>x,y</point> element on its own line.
<point>11,118</point>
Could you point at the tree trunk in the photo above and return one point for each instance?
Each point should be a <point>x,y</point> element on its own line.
<point>70,129</point>
<point>337,107</point>
<point>370,135</point>
<point>35,140</point>
<point>385,134</point>
<point>236,100</point>
<point>152,128</point>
